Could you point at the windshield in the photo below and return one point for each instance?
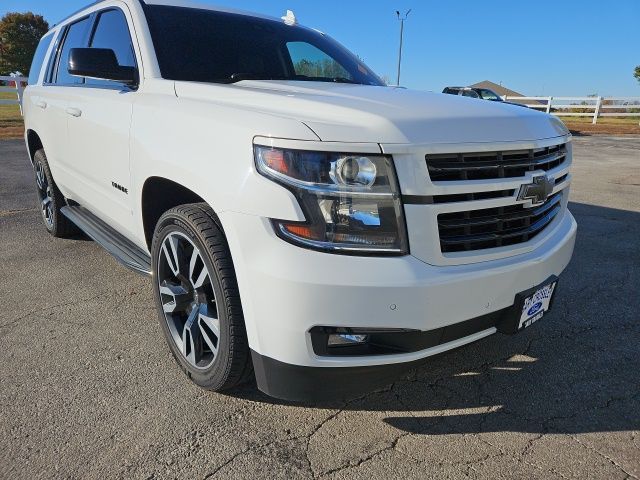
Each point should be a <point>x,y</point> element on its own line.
<point>489,95</point>
<point>209,46</point>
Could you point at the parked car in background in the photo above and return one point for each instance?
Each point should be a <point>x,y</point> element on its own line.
<point>296,217</point>
<point>480,93</point>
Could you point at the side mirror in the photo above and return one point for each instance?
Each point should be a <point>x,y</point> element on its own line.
<point>100,63</point>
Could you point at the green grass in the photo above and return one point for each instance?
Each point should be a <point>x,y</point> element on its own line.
<point>604,120</point>
<point>9,114</point>
<point>8,96</point>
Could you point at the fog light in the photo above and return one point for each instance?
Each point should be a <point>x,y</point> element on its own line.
<point>337,340</point>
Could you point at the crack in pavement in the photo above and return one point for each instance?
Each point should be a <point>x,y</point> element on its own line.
<point>37,312</point>
<point>307,436</point>
<point>361,461</point>
<point>331,417</point>
<point>7,213</point>
<point>518,457</point>
<point>316,430</point>
<point>603,455</point>
<point>391,445</point>
<point>252,448</point>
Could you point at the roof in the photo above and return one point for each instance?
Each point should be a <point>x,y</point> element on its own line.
<point>178,3</point>
<point>499,89</point>
<point>205,6</point>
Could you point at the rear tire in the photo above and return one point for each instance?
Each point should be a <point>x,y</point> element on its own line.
<point>51,199</point>
<point>197,297</point>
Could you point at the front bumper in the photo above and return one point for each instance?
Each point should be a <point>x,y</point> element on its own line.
<point>287,290</point>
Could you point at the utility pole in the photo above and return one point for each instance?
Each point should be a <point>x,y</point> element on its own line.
<point>402,19</point>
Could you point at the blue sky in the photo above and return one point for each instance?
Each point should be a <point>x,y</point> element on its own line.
<point>538,47</point>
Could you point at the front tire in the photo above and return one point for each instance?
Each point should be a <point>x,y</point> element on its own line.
<point>51,199</point>
<point>197,296</point>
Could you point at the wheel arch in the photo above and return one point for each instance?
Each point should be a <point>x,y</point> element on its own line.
<point>34,143</point>
<point>160,194</point>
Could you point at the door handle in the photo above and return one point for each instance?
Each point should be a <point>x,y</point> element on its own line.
<point>41,103</point>
<point>74,112</point>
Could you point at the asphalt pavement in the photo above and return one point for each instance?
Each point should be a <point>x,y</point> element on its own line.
<point>88,388</point>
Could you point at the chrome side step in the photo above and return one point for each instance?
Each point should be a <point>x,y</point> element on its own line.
<point>127,253</point>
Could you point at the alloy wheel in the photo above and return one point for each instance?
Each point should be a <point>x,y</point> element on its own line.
<point>45,195</point>
<point>188,300</point>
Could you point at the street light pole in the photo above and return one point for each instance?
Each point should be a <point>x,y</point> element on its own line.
<point>402,19</point>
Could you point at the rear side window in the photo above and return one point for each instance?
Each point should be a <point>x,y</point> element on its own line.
<point>76,37</point>
<point>112,32</point>
<point>38,58</point>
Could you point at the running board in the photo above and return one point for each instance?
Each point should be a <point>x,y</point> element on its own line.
<point>125,251</point>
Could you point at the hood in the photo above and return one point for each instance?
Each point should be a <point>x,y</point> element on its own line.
<point>358,113</point>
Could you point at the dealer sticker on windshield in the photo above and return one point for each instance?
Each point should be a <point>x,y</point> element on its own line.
<point>536,305</point>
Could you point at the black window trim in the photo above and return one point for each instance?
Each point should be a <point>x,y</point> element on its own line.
<point>53,75</point>
<point>92,31</point>
<point>54,60</point>
<point>51,61</point>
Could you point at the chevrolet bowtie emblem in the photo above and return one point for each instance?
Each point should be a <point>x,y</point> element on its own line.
<point>538,191</point>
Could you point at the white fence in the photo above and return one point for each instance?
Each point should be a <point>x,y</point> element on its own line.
<point>13,85</point>
<point>594,107</point>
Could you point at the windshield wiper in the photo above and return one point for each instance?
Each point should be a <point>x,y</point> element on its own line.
<point>306,78</point>
<point>344,80</point>
<point>238,77</point>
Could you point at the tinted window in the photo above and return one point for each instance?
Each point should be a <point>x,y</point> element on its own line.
<point>209,46</point>
<point>75,38</point>
<point>310,61</point>
<point>38,58</point>
<point>112,32</point>
<point>470,93</point>
<point>489,95</point>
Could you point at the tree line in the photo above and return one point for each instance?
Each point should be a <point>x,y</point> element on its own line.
<point>19,37</point>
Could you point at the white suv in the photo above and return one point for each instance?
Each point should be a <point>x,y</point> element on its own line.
<point>298,218</point>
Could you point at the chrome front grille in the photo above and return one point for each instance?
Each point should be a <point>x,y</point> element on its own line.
<point>495,227</point>
<point>470,197</point>
<point>492,165</point>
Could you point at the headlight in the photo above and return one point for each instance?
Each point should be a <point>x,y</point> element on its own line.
<point>351,202</point>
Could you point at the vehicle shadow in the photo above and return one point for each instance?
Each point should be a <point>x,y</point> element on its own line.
<point>78,237</point>
<point>578,370</point>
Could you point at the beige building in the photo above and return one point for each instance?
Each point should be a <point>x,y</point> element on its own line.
<point>499,89</point>
<point>502,91</point>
